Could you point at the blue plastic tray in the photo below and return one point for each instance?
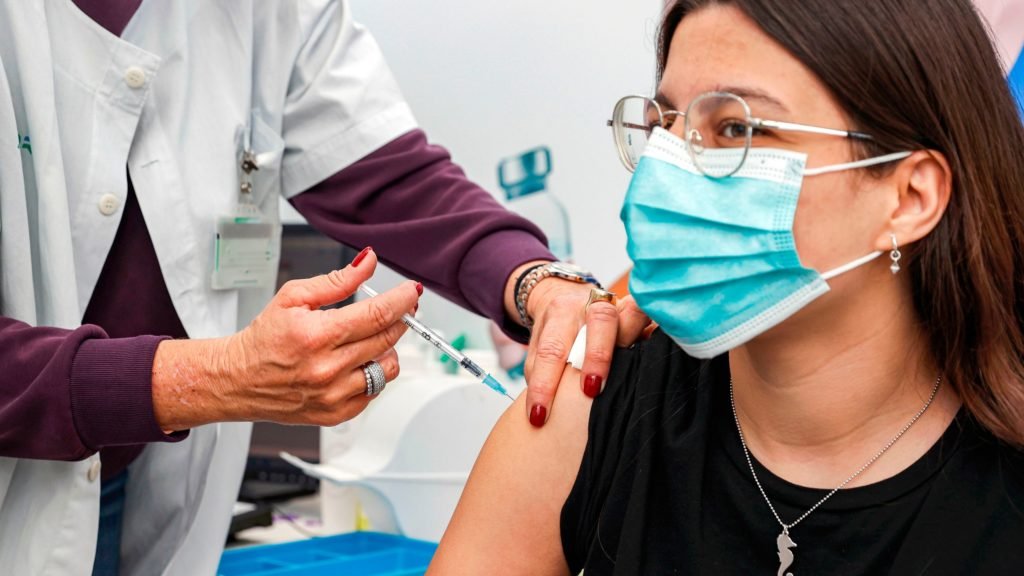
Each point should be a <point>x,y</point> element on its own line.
<point>355,554</point>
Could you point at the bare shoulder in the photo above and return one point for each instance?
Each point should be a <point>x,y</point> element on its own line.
<point>507,521</point>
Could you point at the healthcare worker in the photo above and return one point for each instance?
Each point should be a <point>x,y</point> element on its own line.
<point>138,236</point>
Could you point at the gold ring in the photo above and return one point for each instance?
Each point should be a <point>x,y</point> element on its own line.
<point>599,295</point>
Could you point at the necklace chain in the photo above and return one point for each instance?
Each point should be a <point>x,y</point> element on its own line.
<point>746,453</point>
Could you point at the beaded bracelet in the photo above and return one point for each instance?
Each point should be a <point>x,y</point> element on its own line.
<point>522,292</point>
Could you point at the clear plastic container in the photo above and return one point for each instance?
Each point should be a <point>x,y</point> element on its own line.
<point>524,180</point>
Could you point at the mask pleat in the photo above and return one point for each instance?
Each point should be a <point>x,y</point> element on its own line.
<point>657,238</point>
<point>740,202</point>
<point>720,311</point>
<point>716,273</point>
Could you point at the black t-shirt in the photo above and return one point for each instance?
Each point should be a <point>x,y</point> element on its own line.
<point>664,489</point>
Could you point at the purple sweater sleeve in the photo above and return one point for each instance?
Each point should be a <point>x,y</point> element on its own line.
<point>51,375</point>
<point>429,222</point>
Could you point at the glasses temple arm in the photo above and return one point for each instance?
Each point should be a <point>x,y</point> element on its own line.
<point>794,127</point>
<point>611,123</point>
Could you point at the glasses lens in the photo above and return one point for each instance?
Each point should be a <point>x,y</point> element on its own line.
<point>634,119</point>
<point>717,133</point>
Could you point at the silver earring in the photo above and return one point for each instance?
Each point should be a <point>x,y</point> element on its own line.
<point>895,255</point>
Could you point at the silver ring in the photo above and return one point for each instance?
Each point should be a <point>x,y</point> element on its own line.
<point>375,378</point>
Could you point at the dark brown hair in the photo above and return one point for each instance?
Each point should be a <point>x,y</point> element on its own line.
<point>923,74</point>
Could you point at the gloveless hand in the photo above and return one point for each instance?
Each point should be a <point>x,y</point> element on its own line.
<point>559,308</point>
<point>295,363</point>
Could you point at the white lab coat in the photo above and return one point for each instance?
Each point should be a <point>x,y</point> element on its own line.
<point>168,100</point>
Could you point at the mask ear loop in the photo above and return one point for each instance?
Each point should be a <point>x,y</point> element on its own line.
<point>847,267</point>
<point>858,164</point>
<point>851,166</point>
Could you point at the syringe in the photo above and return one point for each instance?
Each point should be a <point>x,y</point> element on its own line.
<point>439,343</point>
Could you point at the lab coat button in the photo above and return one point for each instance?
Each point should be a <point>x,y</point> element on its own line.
<point>109,204</point>
<point>94,471</point>
<point>135,77</point>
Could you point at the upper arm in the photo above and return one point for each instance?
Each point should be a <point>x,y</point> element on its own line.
<point>507,521</point>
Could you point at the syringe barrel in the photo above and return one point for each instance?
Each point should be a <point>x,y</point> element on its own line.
<point>435,339</point>
<point>430,336</point>
<point>473,368</point>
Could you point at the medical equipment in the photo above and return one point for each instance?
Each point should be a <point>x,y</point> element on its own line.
<point>401,465</point>
<point>439,343</point>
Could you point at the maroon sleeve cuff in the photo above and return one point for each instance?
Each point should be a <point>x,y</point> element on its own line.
<point>112,393</point>
<point>487,267</point>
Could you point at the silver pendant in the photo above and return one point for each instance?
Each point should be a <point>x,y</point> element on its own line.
<point>784,542</point>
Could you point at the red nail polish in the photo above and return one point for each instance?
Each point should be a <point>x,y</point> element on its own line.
<point>538,414</point>
<point>592,385</point>
<point>359,257</point>
<point>419,288</point>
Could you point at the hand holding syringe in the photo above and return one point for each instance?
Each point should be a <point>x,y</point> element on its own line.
<point>439,343</point>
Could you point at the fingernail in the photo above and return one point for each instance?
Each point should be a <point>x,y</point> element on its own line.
<point>419,288</point>
<point>592,385</point>
<point>359,257</point>
<point>538,414</point>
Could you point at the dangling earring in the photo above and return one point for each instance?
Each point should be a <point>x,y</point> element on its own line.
<point>895,255</point>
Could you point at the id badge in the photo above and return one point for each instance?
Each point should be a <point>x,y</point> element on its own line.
<point>245,245</point>
<point>244,253</point>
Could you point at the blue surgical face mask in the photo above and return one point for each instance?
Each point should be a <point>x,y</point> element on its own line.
<point>714,260</point>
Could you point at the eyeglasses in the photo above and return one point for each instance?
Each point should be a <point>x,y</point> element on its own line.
<point>717,127</point>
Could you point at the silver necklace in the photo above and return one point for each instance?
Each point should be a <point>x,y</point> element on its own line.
<point>784,542</point>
